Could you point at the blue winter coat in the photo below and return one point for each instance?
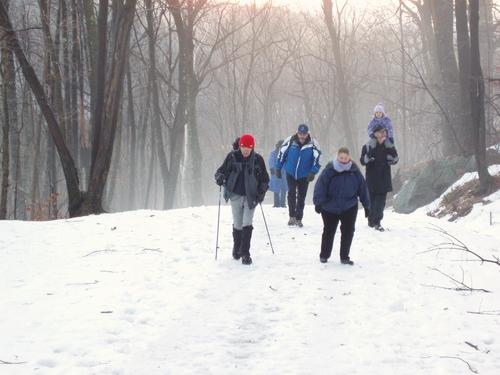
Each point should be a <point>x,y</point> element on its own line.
<point>299,160</point>
<point>336,192</point>
<point>276,184</point>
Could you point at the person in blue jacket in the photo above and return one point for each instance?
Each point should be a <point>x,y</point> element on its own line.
<point>336,198</point>
<point>277,185</point>
<point>299,156</point>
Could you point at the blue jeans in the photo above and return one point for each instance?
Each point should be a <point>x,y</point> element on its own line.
<point>280,198</point>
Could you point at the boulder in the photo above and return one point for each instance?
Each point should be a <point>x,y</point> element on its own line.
<point>427,182</point>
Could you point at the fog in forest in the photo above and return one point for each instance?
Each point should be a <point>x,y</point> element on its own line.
<point>114,105</point>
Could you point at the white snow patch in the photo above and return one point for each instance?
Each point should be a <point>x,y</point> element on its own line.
<point>141,293</point>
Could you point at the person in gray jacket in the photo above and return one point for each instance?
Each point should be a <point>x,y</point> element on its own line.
<point>246,181</point>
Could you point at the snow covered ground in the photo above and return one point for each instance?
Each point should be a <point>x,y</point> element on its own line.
<point>140,293</point>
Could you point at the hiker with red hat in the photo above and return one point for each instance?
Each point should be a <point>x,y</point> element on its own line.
<point>246,181</point>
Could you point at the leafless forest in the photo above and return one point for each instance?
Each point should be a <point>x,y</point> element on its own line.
<point>112,105</point>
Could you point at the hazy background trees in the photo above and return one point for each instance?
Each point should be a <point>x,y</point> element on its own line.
<point>123,104</point>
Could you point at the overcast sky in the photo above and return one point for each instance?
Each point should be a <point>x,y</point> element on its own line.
<point>315,5</point>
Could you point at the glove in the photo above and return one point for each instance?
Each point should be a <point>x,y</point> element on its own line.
<point>372,143</point>
<point>391,160</point>
<point>367,212</point>
<point>367,159</point>
<point>277,173</point>
<point>219,179</point>
<point>317,208</point>
<point>310,177</point>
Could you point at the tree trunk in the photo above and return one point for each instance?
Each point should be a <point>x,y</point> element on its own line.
<point>464,61</point>
<point>74,109</point>
<point>5,146</point>
<point>404,125</point>
<point>342,86</point>
<point>454,124</point>
<point>133,140</point>
<point>162,157</point>
<point>477,99</point>
<point>108,98</point>
<point>35,194</point>
<point>91,47</point>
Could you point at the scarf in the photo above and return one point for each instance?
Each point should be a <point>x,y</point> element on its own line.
<point>340,167</point>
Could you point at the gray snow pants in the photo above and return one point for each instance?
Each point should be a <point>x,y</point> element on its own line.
<point>242,214</point>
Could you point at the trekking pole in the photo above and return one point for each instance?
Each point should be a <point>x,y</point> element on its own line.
<point>218,221</point>
<point>265,223</point>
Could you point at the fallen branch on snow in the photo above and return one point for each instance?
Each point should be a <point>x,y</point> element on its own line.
<point>472,345</point>
<point>464,361</point>
<point>463,287</point>
<point>90,283</point>
<point>493,312</point>
<point>157,250</point>
<point>11,363</point>
<point>99,251</point>
<point>455,244</point>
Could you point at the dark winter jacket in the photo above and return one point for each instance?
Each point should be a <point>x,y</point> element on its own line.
<point>244,176</point>
<point>378,159</point>
<point>336,192</point>
<point>297,159</point>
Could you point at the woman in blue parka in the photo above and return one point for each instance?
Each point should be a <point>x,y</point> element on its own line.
<point>277,185</point>
<point>336,198</point>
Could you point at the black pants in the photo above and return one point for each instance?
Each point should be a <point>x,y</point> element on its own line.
<point>377,208</point>
<point>347,225</point>
<point>297,191</point>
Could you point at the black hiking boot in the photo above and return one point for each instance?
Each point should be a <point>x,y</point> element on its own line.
<point>299,223</point>
<point>347,261</point>
<point>323,260</point>
<point>246,237</point>
<point>292,221</point>
<point>379,227</point>
<point>236,243</point>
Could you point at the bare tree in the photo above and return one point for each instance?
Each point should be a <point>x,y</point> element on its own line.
<point>335,31</point>
<point>477,99</point>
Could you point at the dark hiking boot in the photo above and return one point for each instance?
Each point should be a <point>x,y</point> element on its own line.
<point>237,243</point>
<point>292,221</point>
<point>323,260</point>
<point>379,227</point>
<point>299,223</point>
<point>347,261</point>
<point>246,237</point>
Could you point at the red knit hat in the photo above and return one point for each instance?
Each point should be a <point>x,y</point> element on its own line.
<point>247,140</point>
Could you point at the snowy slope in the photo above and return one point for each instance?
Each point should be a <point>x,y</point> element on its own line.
<point>479,218</point>
<point>140,293</point>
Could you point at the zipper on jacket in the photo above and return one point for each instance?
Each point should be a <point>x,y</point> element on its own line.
<point>297,167</point>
